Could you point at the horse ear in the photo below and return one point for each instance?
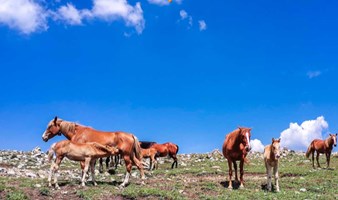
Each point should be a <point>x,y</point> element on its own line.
<point>278,140</point>
<point>273,139</point>
<point>55,119</point>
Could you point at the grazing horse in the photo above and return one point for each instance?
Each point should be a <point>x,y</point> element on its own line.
<point>85,152</point>
<point>167,149</point>
<point>235,147</point>
<point>150,153</point>
<point>322,146</point>
<point>271,158</point>
<point>127,143</point>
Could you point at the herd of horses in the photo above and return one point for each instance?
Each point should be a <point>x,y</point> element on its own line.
<point>86,145</point>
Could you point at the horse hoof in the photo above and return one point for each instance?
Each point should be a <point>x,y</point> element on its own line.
<point>241,186</point>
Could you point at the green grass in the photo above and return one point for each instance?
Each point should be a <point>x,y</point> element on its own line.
<point>204,179</point>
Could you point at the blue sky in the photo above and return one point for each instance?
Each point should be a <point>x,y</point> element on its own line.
<point>188,72</point>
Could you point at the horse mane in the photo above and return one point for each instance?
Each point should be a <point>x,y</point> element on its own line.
<point>66,126</point>
<point>146,144</point>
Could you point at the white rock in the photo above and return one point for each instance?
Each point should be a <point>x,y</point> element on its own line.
<point>302,189</point>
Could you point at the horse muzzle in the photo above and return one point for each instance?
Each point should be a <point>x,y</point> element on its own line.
<point>247,148</point>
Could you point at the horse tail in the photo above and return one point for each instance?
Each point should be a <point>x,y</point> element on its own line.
<point>177,148</point>
<point>51,152</point>
<point>309,150</point>
<point>136,149</point>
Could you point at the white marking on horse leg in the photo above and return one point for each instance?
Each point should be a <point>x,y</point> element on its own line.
<point>50,175</point>
<point>126,180</point>
<point>247,137</point>
<point>85,170</point>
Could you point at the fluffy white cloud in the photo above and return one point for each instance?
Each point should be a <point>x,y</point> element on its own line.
<point>202,25</point>
<point>298,137</point>
<point>27,16</point>
<point>111,10</point>
<point>313,74</point>
<point>70,14</point>
<point>256,145</point>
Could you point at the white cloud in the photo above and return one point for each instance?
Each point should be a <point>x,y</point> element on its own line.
<point>202,25</point>
<point>256,145</point>
<point>27,16</point>
<point>111,10</point>
<point>184,15</point>
<point>298,137</point>
<point>159,2</point>
<point>163,2</point>
<point>70,14</point>
<point>313,74</point>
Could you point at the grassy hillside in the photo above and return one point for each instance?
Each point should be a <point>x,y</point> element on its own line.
<point>199,176</point>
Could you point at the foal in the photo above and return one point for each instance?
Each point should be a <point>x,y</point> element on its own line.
<point>86,152</point>
<point>271,158</point>
<point>150,153</point>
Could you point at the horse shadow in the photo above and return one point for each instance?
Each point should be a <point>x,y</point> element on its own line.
<point>235,184</point>
<point>264,187</point>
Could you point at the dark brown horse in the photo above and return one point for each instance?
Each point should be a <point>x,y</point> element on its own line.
<point>322,146</point>
<point>235,147</point>
<point>167,149</point>
<point>128,144</point>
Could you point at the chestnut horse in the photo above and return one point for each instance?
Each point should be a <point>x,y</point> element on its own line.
<point>235,147</point>
<point>167,149</point>
<point>322,146</point>
<point>128,144</point>
<point>85,152</point>
<point>271,158</point>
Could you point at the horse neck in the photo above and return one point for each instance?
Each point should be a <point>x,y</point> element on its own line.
<point>329,143</point>
<point>272,153</point>
<point>68,129</point>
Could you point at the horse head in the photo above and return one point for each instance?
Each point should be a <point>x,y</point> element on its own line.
<point>334,138</point>
<point>245,137</point>
<point>53,128</point>
<point>276,147</point>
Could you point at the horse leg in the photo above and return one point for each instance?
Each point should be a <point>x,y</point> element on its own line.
<point>230,174</point>
<point>241,165</point>
<point>92,169</point>
<point>275,171</point>
<point>328,159</point>
<point>56,167</point>
<point>175,161</point>
<point>129,165</point>
<point>269,174</point>
<point>51,173</point>
<point>317,158</point>
<point>313,159</point>
<point>101,165</point>
<point>107,162</point>
<point>87,163</point>
<point>235,167</point>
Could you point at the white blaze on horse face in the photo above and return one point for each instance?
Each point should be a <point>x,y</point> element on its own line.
<point>247,137</point>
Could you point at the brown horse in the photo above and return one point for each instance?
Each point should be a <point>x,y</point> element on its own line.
<point>235,147</point>
<point>85,152</point>
<point>271,158</point>
<point>166,149</point>
<point>322,146</point>
<point>127,143</point>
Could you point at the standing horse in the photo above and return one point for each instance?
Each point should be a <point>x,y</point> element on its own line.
<point>167,149</point>
<point>85,152</point>
<point>271,158</point>
<point>150,153</point>
<point>322,146</point>
<point>127,143</point>
<point>235,147</point>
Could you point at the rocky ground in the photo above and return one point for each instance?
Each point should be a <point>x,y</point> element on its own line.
<point>24,175</point>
